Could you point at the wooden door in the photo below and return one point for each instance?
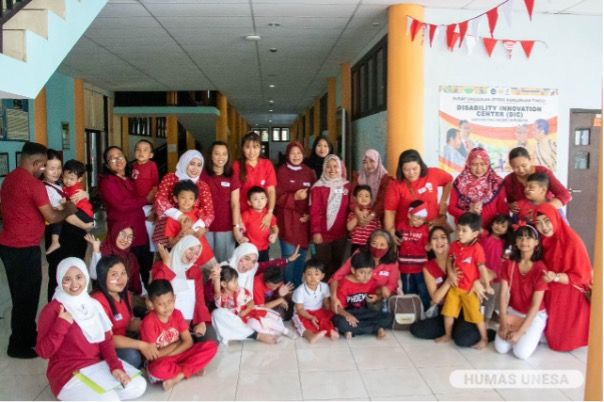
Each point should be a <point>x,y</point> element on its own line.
<point>583,159</point>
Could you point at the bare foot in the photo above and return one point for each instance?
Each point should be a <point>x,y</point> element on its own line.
<point>266,338</point>
<point>169,384</point>
<point>348,335</point>
<point>381,334</point>
<point>53,247</point>
<point>315,337</point>
<point>481,344</point>
<point>334,335</point>
<point>443,339</point>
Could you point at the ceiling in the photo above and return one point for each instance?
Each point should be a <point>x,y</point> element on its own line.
<point>151,45</point>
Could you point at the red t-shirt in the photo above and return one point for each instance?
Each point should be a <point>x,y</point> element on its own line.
<point>527,210</point>
<point>412,253</point>
<point>84,204</point>
<point>514,188</point>
<point>252,220</point>
<point>263,175</point>
<point>163,334</point>
<point>145,177</point>
<point>173,228</point>
<point>522,286</point>
<point>120,320</point>
<point>353,294</point>
<point>493,252</point>
<point>360,234</point>
<point>383,274</point>
<point>221,188</point>
<point>21,195</point>
<point>402,193</point>
<point>467,258</point>
<point>436,272</point>
<point>262,293</point>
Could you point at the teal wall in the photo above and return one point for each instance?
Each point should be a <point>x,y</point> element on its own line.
<point>11,147</point>
<point>60,108</point>
<point>369,132</point>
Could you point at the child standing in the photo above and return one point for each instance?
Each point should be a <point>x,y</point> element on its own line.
<point>271,292</point>
<point>178,357</point>
<point>412,255</point>
<point>312,317</point>
<point>466,255</point>
<point>252,218</point>
<point>146,181</point>
<point>363,220</point>
<point>535,193</point>
<point>354,292</point>
<point>523,315</point>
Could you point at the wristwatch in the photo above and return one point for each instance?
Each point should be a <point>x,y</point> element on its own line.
<point>557,278</point>
<point>237,226</point>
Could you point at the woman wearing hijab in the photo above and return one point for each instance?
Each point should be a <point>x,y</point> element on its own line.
<point>478,189</point>
<point>569,277</point>
<point>189,167</point>
<point>321,147</point>
<point>293,184</point>
<point>374,174</point>
<point>178,267</point>
<point>329,199</point>
<point>73,333</point>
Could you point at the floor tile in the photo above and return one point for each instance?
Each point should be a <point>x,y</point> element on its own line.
<point>46,395</point>
<point>283,343</point>
<point>437,378</point>
<point>325,359</point>
<point>24,366</point>
<point>381,358</point>
<point>155,392</point>
<point>278,386</point>
<point>439,355</point>
<point>325,343</point>
<point>470,395</point>
<point>332,385</point>
<point>19,386</point>
<point>495,360</point>
<point>273,360</point>
<point>547,359</point>
<point>367,341</point>
<point>414,397</point>
<point>392,382</point>
<point>510,394</point>
<point>576,394</point>
<point>214,385</point>
<point>580,354</point>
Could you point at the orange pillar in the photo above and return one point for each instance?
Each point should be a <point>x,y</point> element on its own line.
<point>331,110</point>
<point>80,123</point>
<point>172,141</point>
<point>222,121</point>
<point>317,117</point>
<point>405,85</point>
<point>125,134</point>
<point>190,140</point>
<point>41,118</point>
<point>345,83</point>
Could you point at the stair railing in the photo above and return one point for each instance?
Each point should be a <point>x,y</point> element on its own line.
<point>8,8</point>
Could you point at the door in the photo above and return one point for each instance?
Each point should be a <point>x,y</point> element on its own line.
<point>96,143</point>
<point>583,160</point>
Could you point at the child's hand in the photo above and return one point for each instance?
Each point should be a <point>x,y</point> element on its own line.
<point>304,218</point>
<point>549,276</point>
<point>513,336</point>
<point>284,304</point>
<point>352,320</point>
<point>185,222</point>
<point>285,289</point>
<point>164,255</point>
<point>315,321</point>
<point>94,242</point>
<point>272,238</point>
<point>121,376</point>
<point>336,305</point>
<point>200,329</point>
<point>65,315</point>
<point>301,194</point>
<point>317,238</point>
<point>266,221</point>
<point>503,330</point>
<point>149,350</point>
<point>372,298</point>
<point>295,254</point>
<point>79,196</point>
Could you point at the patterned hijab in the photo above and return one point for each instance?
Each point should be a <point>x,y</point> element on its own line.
<point>335,197</point>
<point>373,179</point>
<point>473,189</point>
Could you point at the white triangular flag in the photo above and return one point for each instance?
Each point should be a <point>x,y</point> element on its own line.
<point>506,9</point>
<point>473,27</point>
<point>470,43</point>
<point>508,45</point>
<point>408,27</point>
<point>437,35</point>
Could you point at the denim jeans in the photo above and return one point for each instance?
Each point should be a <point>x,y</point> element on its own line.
<point>293,271</point>
<point>414,284</point>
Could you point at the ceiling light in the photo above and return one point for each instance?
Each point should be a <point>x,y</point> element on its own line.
<point>376,24</point>
<point>274,24</point>
<point>270,121</point>
<point>271,85</point>
<point>271,101</point>
<point>270,110</point>
<point>253,37</point>
<point>273,50</point>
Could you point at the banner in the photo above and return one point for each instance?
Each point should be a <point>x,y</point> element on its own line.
<point>497,119</point>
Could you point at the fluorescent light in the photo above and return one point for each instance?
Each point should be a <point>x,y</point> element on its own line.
<point>252,37</point>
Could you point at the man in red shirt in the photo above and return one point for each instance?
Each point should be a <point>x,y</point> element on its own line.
<point>25,207</point>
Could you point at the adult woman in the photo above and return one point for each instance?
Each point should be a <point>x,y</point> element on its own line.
<point>383,250</point>
<point>374,174</point>
<point>415,181</point>
<point>569,277</point>
<point>293,184</point>
<point>112,293</point>
<point>124,205</point>
<point>523,167</point>
<point>321,147</point>
<point>73,333</point>
<point>72,231</point>
<point>478,189</point>
<point>224,188</point>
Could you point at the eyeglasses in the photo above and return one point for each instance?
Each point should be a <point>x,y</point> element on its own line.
<point>117,159</point>
<point>126,236</point>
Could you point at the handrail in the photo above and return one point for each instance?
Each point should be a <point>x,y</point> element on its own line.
<point>8,8</point>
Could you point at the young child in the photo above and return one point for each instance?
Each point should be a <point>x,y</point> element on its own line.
<point>354,291</point>
<point>185,194</point>
<point>412,255</point>
<point>146,181</point>
<point>312,317</point>
<point>73,174</point>
<point>535,193</point>
<point>522,311</point>
<point>466,255</point>
<point>271,292</point>
<point>252,219</point>
<point>265,324</point>
<point>178,357</point>
<point>362,221</point>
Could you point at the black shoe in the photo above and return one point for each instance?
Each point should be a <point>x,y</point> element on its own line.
<point>491,334</point>
<point>27,353</point>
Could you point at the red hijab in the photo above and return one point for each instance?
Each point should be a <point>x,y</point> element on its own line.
<point>473,189</point>
<point>564,251</point>
<point>109,247</point>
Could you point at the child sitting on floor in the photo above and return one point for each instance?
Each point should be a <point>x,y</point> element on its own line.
<point>271,292</point>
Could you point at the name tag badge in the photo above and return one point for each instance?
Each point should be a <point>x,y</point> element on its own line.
<point>306,184</point>
<point>225,184</point>
<point>439,281</point>
<point>339,191</point>
<point>262,182</point>
<point>384,273</point>
<point>118,317</point>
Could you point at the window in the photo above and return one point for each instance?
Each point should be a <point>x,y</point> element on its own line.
<point>369,82</point>
<point>139,126</point>
<point>280,134</point>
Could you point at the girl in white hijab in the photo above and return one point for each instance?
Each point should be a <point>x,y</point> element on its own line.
<point>73,333</point>
<point>245,261</point>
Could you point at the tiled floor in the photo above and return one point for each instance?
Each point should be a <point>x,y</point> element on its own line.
<point>399,367</point>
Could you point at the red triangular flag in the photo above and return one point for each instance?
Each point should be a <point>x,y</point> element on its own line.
<point>492,16</point>
<point>450,32</point>
<point>527,46</point>
<point>489,45</point>
<point>508,45</point>
<point>529,7</point>
<point>415,27</point>
<point>463,28</point>
<point>431,32</point>
<point>454,38</point>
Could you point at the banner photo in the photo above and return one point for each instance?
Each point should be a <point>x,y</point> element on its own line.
<point>497,119</point>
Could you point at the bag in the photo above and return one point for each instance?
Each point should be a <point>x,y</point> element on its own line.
<point>406,310</point>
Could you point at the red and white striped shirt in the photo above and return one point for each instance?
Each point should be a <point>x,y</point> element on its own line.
<point>360,234</point>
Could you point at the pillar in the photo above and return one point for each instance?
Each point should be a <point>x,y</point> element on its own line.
<point>190,140</point>
<point>125,134</point>
<point>317,117</point>
<point>405,85</point>
<point>222,121</point>
<point>346,91</point>
<point>332,129</point>
<point>172,142</point>
<point>306,129</point>
<point>80,122</point>
<point>41,118</point>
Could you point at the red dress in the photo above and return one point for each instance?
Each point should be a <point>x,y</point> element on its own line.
<point>288,210</point>
<point>318,214</point>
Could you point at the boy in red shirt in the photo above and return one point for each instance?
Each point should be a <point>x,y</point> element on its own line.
<point>270,291</point>
<point>251,218</point>
<point>467,256</point>
<point>535,193</point>
<point>363,221</point>
<point>146,181</point>
<point>412,254</point>
<point>73,174</point>
<point>178,357</point>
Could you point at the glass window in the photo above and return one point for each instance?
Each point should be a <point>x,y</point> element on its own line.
<point>582,160</point>
<point>276,134</point>
<point>380,81</point>
<point>582,136</point>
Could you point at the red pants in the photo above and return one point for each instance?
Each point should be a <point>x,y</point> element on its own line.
<point>323,315</point>
<point>189,362</point>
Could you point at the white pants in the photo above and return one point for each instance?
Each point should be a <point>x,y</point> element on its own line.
<point>527,344</point>
<point>76,390</point>
<point>222,243</point>
<point>229,327</point>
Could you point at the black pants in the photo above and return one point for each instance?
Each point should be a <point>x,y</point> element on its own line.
<point>72,245</point>
<point>145,261</point>
<point>331,254</point>
<point>24,272</point>
<point>464,333</point>
<point>369,321</point>
<point>264,255</point>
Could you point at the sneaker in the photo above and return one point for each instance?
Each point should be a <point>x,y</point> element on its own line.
<point>27,353</point>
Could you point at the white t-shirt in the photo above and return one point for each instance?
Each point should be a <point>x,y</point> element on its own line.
<point>54,196</point>
<point>312,299</point>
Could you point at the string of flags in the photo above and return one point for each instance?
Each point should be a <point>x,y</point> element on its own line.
<point>465,32</point>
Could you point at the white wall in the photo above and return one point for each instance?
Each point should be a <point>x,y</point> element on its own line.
<point>572,62</point>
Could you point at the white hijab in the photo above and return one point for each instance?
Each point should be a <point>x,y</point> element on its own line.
<point>335,186</point>
<point>86,311</point>
<point>183,163</point>
<point>176,264</point>
<point>246,279</point>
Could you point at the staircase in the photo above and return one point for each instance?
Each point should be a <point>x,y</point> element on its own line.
<point>36,38</point>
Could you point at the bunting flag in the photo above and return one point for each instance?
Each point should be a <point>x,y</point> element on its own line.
<point>470,43</point>
<point>489,45</point>
<point>492,16</point>
<point>415,27</point>
<point>463,28</point>
<point>454,39</point>
<point>508,45</point>
<point>530,4</point>
<point>506,9</point>
<point>474,25</point>
<point>431,33</point>
<point>527,46</point>
<point>450,32</point>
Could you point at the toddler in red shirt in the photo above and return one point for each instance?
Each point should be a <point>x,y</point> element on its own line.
<point>535,193</point>
<point>363,221</point>
<point>73,174</point>
<point>178,357</point>
<point>146,181</point>
<point>270,291</point>
<point>259,235</point>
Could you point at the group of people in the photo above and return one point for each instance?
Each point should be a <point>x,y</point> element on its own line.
<point>185,263</point>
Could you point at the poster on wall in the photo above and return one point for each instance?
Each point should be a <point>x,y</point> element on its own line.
<point>14,120</point>
<point>497,119</point>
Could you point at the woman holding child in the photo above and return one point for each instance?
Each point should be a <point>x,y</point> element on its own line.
<point>374,174</point>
